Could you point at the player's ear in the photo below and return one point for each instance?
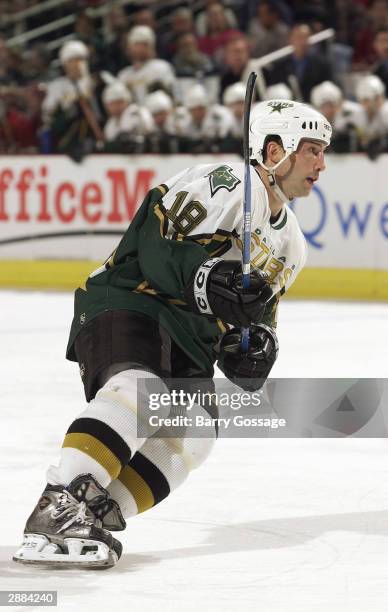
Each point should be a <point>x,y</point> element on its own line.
<point>275,152</point>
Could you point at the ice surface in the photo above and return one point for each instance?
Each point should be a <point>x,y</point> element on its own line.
<point>267,525</point>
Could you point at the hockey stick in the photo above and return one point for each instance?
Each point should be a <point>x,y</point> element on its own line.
<point>246,251</point>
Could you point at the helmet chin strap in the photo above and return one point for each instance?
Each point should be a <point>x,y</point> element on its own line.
<point>272,178</point>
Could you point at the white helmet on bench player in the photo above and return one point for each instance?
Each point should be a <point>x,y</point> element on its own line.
<point>292,122</point>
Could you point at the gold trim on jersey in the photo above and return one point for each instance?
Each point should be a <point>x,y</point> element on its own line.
<point>217,237</point>
<point>163,220</point>
<point>162,188</point>
<point>145,288</point>
<point>110,261</point>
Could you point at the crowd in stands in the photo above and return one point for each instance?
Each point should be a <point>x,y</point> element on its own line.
<point>169,77</point>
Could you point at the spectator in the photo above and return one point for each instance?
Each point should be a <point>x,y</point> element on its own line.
<point>115,23</point>
<point>127,125</point>
<point>143,16</point>
<point>380,45</point>
<point>364,51</point>
<point>303,69</point>
<point>146,73</point>
<point>218,31</point>
<point>202,19</point>
<point>189,61</point>
<point>181,22</point>
<point>370,93</point>
<point>36,66</point>
<point>115,28</point>
<point>235,60</point>
<point>10,65</point>
<point>349,19</point>
<point>267,31</point>
<point>70,108</point>
<point>19,119</point>
<point>316,14</point>
<point>85,31</point>
<point>5,77</point>
<point>344,116</point>
<point>207,126</point>
<point>15,65</point>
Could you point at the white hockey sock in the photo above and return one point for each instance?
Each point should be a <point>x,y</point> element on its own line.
<point>103,437</point>
<point>161,466</point>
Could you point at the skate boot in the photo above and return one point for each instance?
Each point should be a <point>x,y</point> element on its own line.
<point>85,488</point>
<point>63,531</point>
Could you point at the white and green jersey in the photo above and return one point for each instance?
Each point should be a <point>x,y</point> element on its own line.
<point>207,201</point>
<point>195,215</point>
<point>140,78</point>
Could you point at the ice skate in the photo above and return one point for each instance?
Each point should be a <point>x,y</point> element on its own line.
<point>63,531</point>
<point>86,489</point>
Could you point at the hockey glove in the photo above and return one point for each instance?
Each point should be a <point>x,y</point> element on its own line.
<point>248,370</point>
<point>216,289</point>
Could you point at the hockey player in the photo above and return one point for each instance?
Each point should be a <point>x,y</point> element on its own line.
<point>128,124</point>
<point>280,91</point>
<point>207,125</point>
<point>161,309</point>
<point>63,109</point>
<point>345,116</point>
<point>370,93</point>
<point>233,99</point>
<point>167,123</point>
<point>146,72</point>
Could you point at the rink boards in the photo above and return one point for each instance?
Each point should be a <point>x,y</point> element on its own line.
<point>59,219</point>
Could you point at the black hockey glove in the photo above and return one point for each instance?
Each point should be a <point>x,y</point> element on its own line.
<point>216,289</point>
<point>248,370</point>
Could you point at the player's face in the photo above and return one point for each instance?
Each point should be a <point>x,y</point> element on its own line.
<point>116,108</point>
<point>303,170</point>
<point>74,68</point>
<point>160,118</point>
<point>198,113</point>
<point>140,51</point>
<point>330,110</point>
<point>237,109</point>
<point>372,105</point>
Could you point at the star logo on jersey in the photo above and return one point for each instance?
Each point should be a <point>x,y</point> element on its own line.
<point>277,107</point>
<point>222,178</point>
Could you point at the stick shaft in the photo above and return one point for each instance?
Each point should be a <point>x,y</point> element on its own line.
<point>246,251</point>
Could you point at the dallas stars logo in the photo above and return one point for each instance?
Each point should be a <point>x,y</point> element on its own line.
<point>222,178</point>
<point>277,107</point>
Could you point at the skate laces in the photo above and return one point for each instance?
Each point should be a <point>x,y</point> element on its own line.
<point>76,511</point>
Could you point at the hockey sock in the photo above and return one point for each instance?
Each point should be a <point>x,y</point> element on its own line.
<point>103,438</point>
<point>158,468</point>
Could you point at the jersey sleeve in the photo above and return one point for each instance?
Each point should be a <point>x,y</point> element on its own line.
<point>51,100</point>
<point>166,264</point>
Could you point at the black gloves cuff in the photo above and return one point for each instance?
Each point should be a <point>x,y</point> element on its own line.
<point>199,285</point>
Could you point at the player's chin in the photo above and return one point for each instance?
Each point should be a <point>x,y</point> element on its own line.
<point>308,184</point>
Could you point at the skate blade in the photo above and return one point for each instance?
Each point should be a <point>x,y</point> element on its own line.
<point>68,564</point>
<point>38,550</point>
